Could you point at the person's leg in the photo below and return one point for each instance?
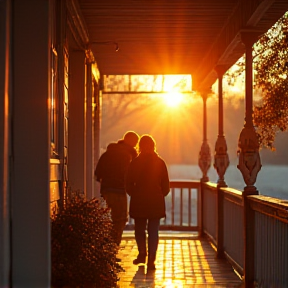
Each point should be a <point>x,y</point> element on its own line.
<point>140,237</point>
<point>117,202</point>
<point>119,216</point>
<point>153,240</point>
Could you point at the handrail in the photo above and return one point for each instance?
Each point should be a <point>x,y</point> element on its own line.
<point>270,241</point>
<point>182,207</point>
<point>233,227</point>
<point>223,222</point>
<point>250,231</point>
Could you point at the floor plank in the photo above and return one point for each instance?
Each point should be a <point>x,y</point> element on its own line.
<point>182,261</point>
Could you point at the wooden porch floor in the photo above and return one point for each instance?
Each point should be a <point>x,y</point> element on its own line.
<point>183,260</point>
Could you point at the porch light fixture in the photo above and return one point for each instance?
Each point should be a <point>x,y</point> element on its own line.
<point>108,43</point>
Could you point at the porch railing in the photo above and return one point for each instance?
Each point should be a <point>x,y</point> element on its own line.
<point>182,207</point>
<point>270,241</point>
<point>223,222</point>
<point>250,231</point>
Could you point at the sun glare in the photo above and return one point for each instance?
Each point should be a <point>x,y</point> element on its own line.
<point>173,99</point>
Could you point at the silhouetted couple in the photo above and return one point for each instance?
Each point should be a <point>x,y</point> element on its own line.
<point>144,176</point>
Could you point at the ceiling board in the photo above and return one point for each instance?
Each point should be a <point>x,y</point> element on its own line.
<point>172,37</point>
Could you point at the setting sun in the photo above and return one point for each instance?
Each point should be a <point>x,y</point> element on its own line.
<point>172,99</point>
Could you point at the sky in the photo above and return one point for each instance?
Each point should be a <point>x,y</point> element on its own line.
<point>174,119</point>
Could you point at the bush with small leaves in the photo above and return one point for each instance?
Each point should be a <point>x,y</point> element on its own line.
<point>83,249</point>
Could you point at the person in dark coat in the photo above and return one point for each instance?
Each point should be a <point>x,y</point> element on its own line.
<point>147,183</point>
<point>111,172</point>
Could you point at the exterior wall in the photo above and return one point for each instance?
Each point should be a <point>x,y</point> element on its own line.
<point>62,122</point>
<point>55,163</point>
<point>4,142</point>
<point>77,140</point>
<point>34,170</point>
<point>59,118</point>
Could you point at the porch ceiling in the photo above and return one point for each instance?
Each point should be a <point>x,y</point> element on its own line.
<point>173,37</point>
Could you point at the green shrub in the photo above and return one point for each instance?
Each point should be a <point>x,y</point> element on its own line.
<point>83,250</point>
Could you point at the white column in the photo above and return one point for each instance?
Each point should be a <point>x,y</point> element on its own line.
<point>30,219</point>
<point>4,142</point>
<point>77,122</point>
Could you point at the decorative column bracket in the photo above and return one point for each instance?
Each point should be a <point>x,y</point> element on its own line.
<point>249,158</point>
<point>204,161</point>
<point>221,159</point>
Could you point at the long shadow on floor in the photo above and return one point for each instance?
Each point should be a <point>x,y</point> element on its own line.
<point>180,263</point>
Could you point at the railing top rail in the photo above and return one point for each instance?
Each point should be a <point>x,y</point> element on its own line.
<point>270,200</point>
<point>232,191</point>
<point>184,183</point>
<point>233,195</point>
<point>211,184</point>
<point>270,206</point>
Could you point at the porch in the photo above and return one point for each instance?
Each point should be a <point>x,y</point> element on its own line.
<point>214,236</point>
<point>183,260</point>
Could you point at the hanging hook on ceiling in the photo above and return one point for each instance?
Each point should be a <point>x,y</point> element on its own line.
<point>107,43</point>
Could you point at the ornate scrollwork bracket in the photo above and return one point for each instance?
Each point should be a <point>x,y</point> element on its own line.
<point>249,159</point>
<point>221,159</point>
<point>204,160</point>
